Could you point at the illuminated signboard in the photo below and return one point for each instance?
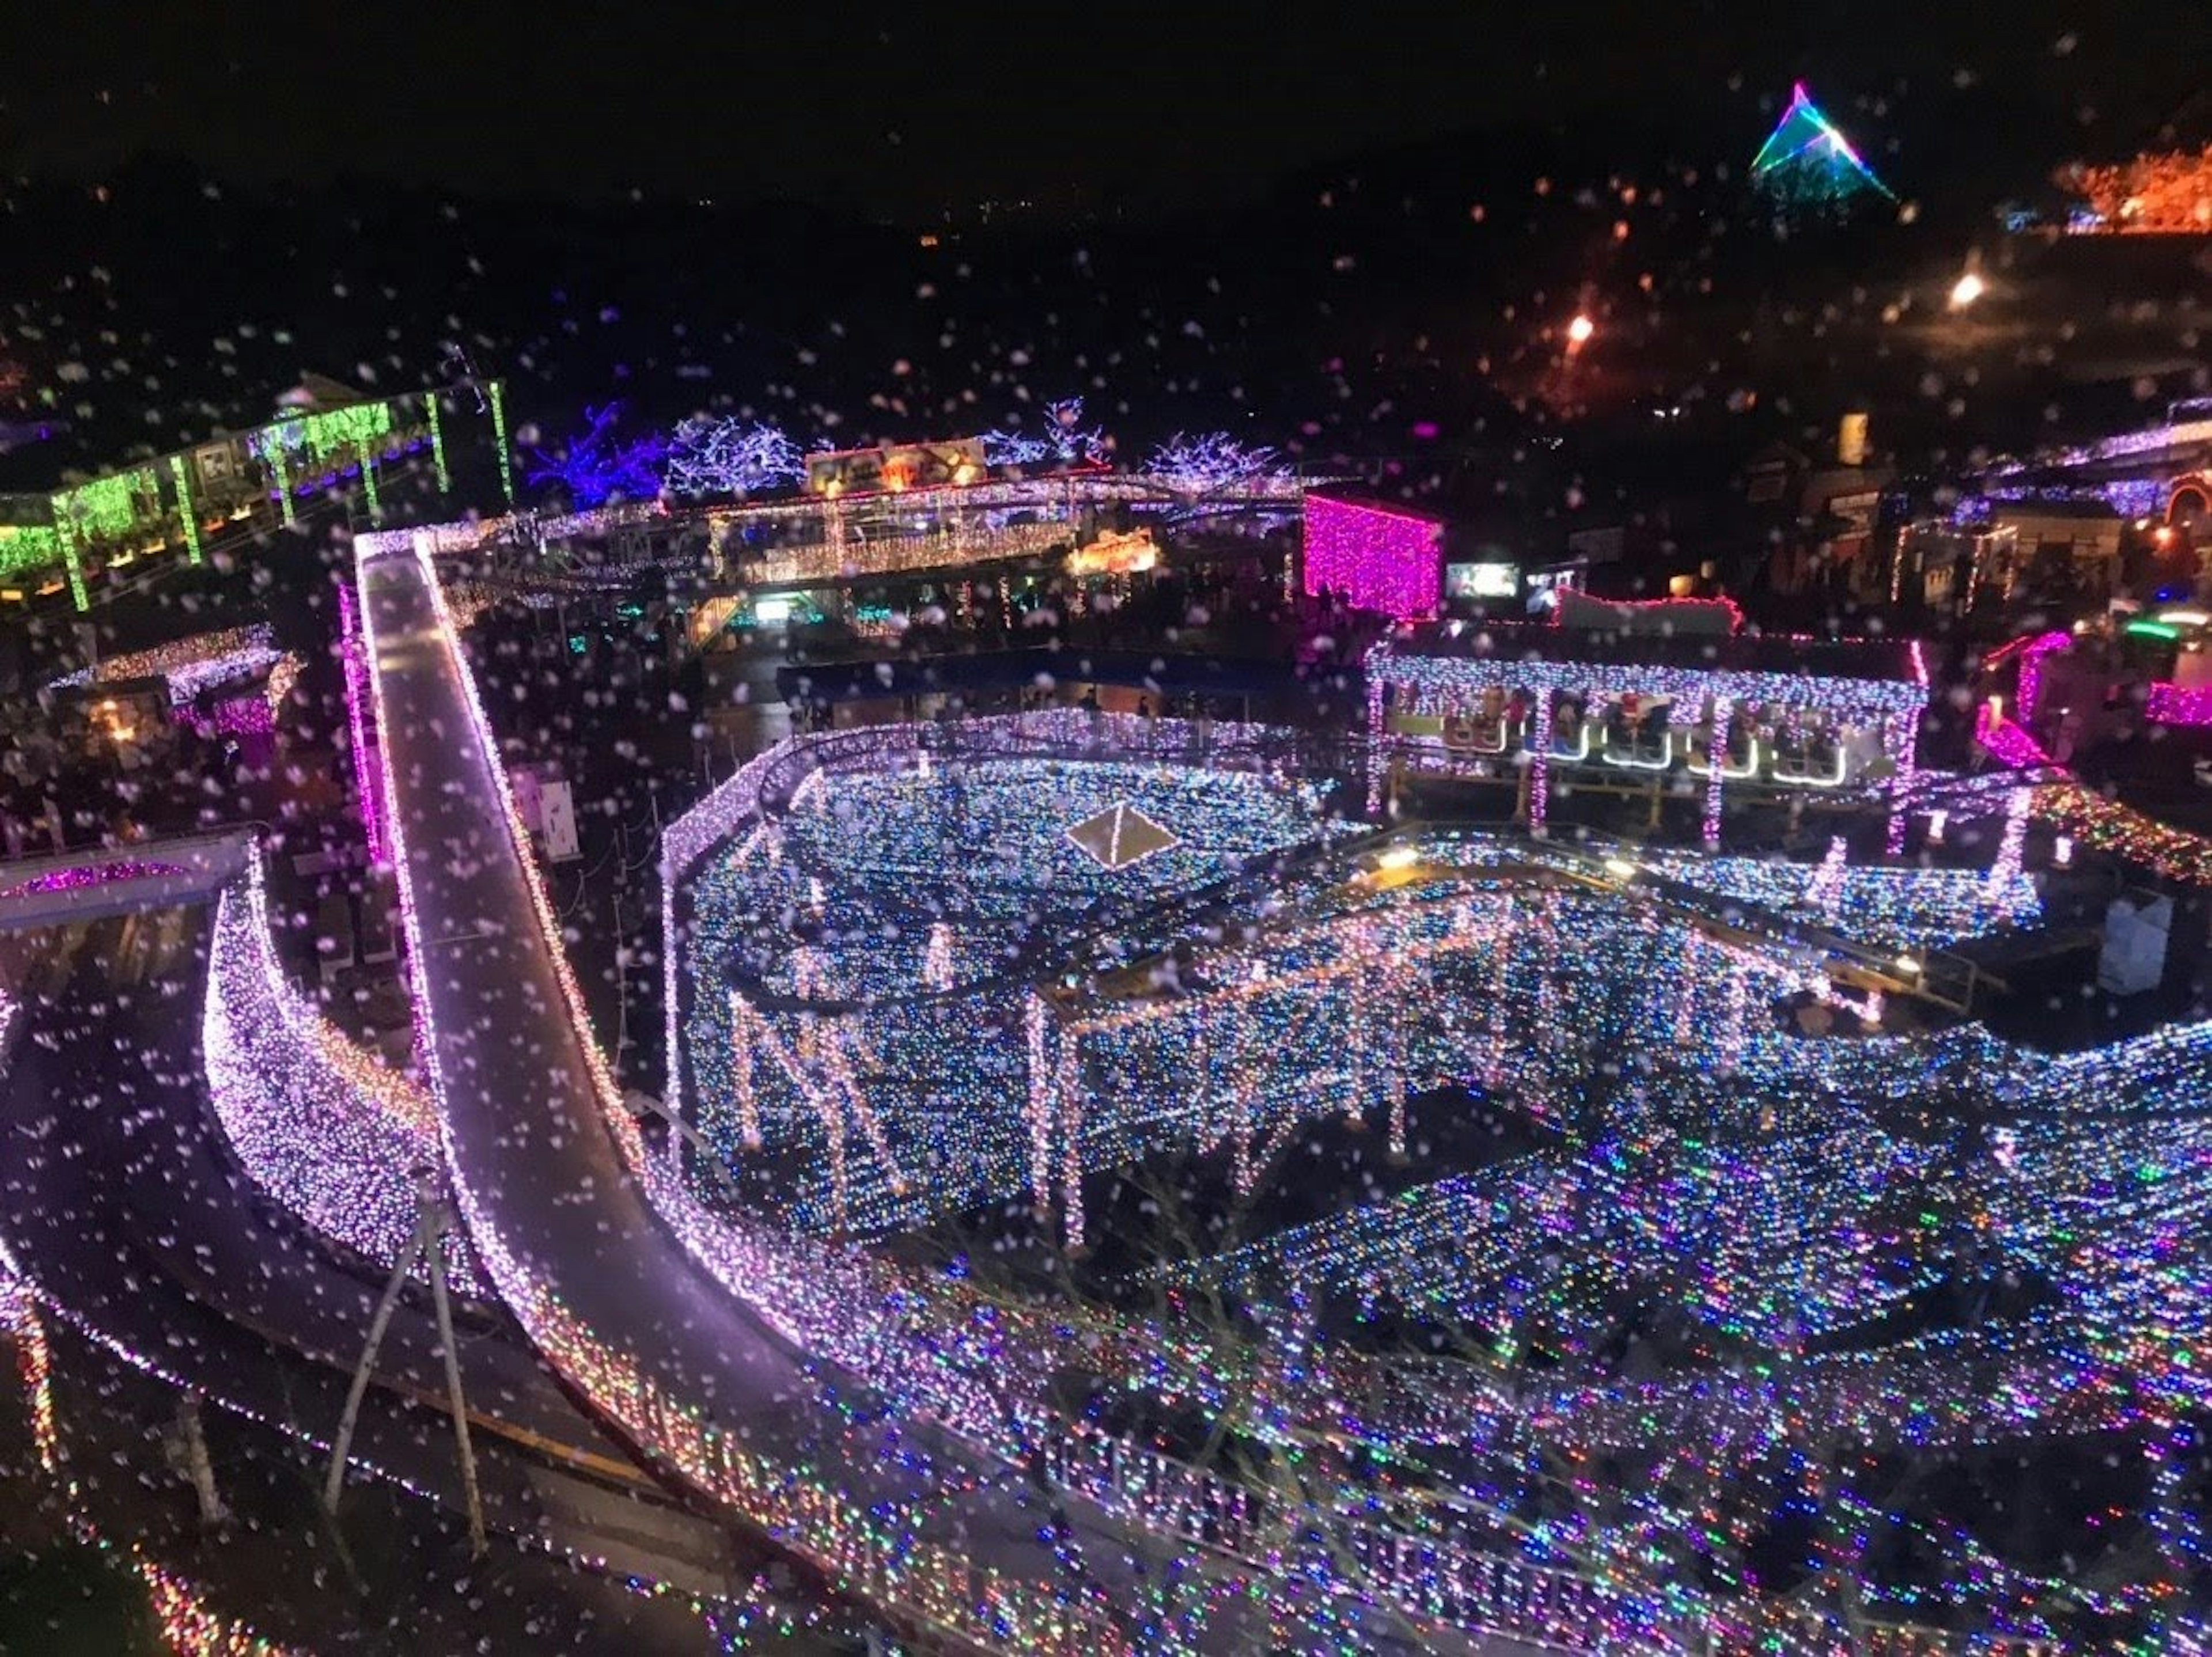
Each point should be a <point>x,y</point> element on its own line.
<point>1484,580</point>
<point>896,467</point>
<point>1857,510</point>
<point>1116,554</point>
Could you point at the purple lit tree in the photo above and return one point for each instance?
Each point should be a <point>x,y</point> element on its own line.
<point>1064,439</point>
<point>721,455</point>
<point>597,466</point>
<point>1211,464</point>
<point>1070,439</point>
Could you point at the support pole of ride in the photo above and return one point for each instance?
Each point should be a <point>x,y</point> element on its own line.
<point>433,1228</point>
<point>198,1464</point>
<point>342,1443</point>
<point>425,1245</point>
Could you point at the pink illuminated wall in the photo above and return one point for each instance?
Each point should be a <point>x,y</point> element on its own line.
<point>2173,704</point>
<point>1386,560</point>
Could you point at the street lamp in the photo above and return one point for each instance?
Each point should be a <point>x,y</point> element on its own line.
<point>1580,331</point>
<point>1968,289</point>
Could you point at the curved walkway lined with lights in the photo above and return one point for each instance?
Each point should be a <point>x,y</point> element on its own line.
<point>127,1217</point>
<point>695,1379</point>
<point>717,1380</point>
<point>320,1126</point>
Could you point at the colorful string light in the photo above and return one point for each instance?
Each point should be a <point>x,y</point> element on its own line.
<point>497,393</point>
<point>190,667</point>
<point>83,876</point>
<point>1213,463</point>
<point>1895,1395</point>
<point>2173,704</point>
<point>719,455</point>
<point>327,1130</point>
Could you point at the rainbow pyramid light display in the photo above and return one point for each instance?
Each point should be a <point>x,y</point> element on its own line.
<point>1806,163</point>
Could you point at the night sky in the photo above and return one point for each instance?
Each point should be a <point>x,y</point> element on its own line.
<point>905,109</point>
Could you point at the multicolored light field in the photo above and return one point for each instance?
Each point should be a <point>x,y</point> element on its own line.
<point>910,998</point>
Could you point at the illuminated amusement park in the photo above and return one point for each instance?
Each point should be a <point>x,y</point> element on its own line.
<point>1320,1001</point>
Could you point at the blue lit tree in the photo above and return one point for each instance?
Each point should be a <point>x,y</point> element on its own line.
<point>597,466</point>
<point>1805,165</point>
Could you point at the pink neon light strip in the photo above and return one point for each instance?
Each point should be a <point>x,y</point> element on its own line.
<point>2008,743</point>
<point>368,783</point>
<point>2031,670</point>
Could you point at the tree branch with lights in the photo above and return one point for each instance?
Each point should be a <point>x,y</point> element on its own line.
<point>1065,440</point>
<point>1211,464</point>
<point>597,466</point>
<point>711,454</point>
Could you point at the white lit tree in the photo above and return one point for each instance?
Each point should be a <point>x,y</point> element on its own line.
<point>1003,448</point>
<point>1070,439</point>
<point>1065,440</point>
<point>1210,464</point>
<point>711,454</point>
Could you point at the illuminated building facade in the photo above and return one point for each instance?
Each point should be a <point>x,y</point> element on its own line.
<point>75,536</point>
